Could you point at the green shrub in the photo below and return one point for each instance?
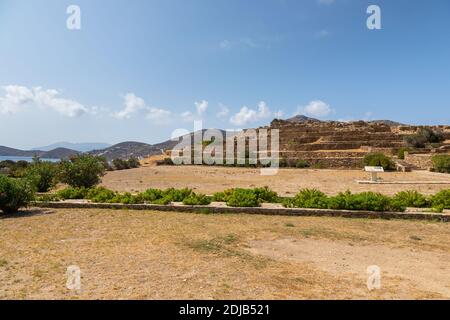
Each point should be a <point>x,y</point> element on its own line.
<point>423,137</point>
<point>263,194</point>
<point>82,171</point>
<point>197,200</point>
<point>441,163</point>
<point>301,164</point>
<point>120,164</point>
<point>243,198</point>
<point>151,195</point>
<point>410,198</point>
<point>177,195</point>
<point>125,198</point>
<point>43,175</point>
<point>133,163</point>
<point>100,195</point>
<point>165,162</point>
<point>15,194</point>
<point>441,199</point>
<point>157,196</point>
<point>13,169</point>
<point>308,198</point>
<point>401,152</point>
<point>266,195</point>
<point>378,160</point>
<point>366,201</point>
<point>165,200</point>
<point>222,196</point>
<point>73,193</point>
<point>47,197</point>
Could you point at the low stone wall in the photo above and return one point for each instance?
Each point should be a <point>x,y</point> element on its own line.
<point>419,161</point>
<point>259,211</point>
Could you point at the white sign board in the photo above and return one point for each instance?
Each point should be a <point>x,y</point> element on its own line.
<point>374,169</point>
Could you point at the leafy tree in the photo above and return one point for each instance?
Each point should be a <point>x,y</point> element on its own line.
<point>43,175</point>
<point>378,160</point>
<point>82,171</point>
<point>15,193</point>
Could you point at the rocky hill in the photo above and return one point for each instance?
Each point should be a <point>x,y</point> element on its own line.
<point>126,150</point>
<point>58,153</point>
<point>81,147</point>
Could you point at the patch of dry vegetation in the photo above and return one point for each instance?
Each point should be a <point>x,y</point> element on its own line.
<point>155,255</point>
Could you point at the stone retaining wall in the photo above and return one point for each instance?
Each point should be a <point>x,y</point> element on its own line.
<point>259,211</point>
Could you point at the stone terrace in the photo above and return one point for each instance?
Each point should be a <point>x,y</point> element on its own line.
<point>339,144</point>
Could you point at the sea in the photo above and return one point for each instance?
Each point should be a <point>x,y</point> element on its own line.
<point>27,159</point>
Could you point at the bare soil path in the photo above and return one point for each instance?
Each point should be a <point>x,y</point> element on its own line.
<point>287,182</point>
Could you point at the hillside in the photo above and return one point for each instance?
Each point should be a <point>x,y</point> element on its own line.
<point>128,149</point>
<point>81,147</point>
<point>58,153</point>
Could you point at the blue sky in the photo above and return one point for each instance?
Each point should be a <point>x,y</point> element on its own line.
<point>137,70</point>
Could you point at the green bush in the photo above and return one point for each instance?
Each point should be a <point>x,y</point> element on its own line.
<point>301,164</point>
<point>401,152</point>
<point>197,200</point>
<point>100,195</point>
<point>441,163</point>
<point>410,198</point>
<point>378,160</point>
<point>441,199</point>
<point>120,164</point>
<point>263,194</point>
<point>125,198</point>
<point>157,196</point>
<point>82,171</point>
<point>423,137</point>
<point>222,196</point>
<point>165,162</point>
<point>42,174</point>
<point>266,195</point>
<point>15,194</point>
<point>73,193</point>
<point>366,201</point>
<point>177,195</point>
<point>13,169</point>
<point>133,163</point>
<point>243,198</point>
<point>151,195</point>
<point>48,198</point>
<point>308,198</point>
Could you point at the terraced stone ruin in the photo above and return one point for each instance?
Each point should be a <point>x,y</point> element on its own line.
<point>342,144</point>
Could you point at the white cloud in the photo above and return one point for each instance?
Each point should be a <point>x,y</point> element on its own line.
<point>133,104</point>
<point>158,114</point>
<point>223,113</point>
<point>247,115</point>
<point>187,116</point>
<point>201,107</point>
<point>20,97</point>
<point>136,105</point>
<point>316,108</point>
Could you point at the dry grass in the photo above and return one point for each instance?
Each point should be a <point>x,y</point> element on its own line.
<point>154,255</point>
<point>287,182</point>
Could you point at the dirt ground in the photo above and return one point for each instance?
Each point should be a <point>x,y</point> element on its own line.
<point>287,182</point>
<point>153,255</point>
